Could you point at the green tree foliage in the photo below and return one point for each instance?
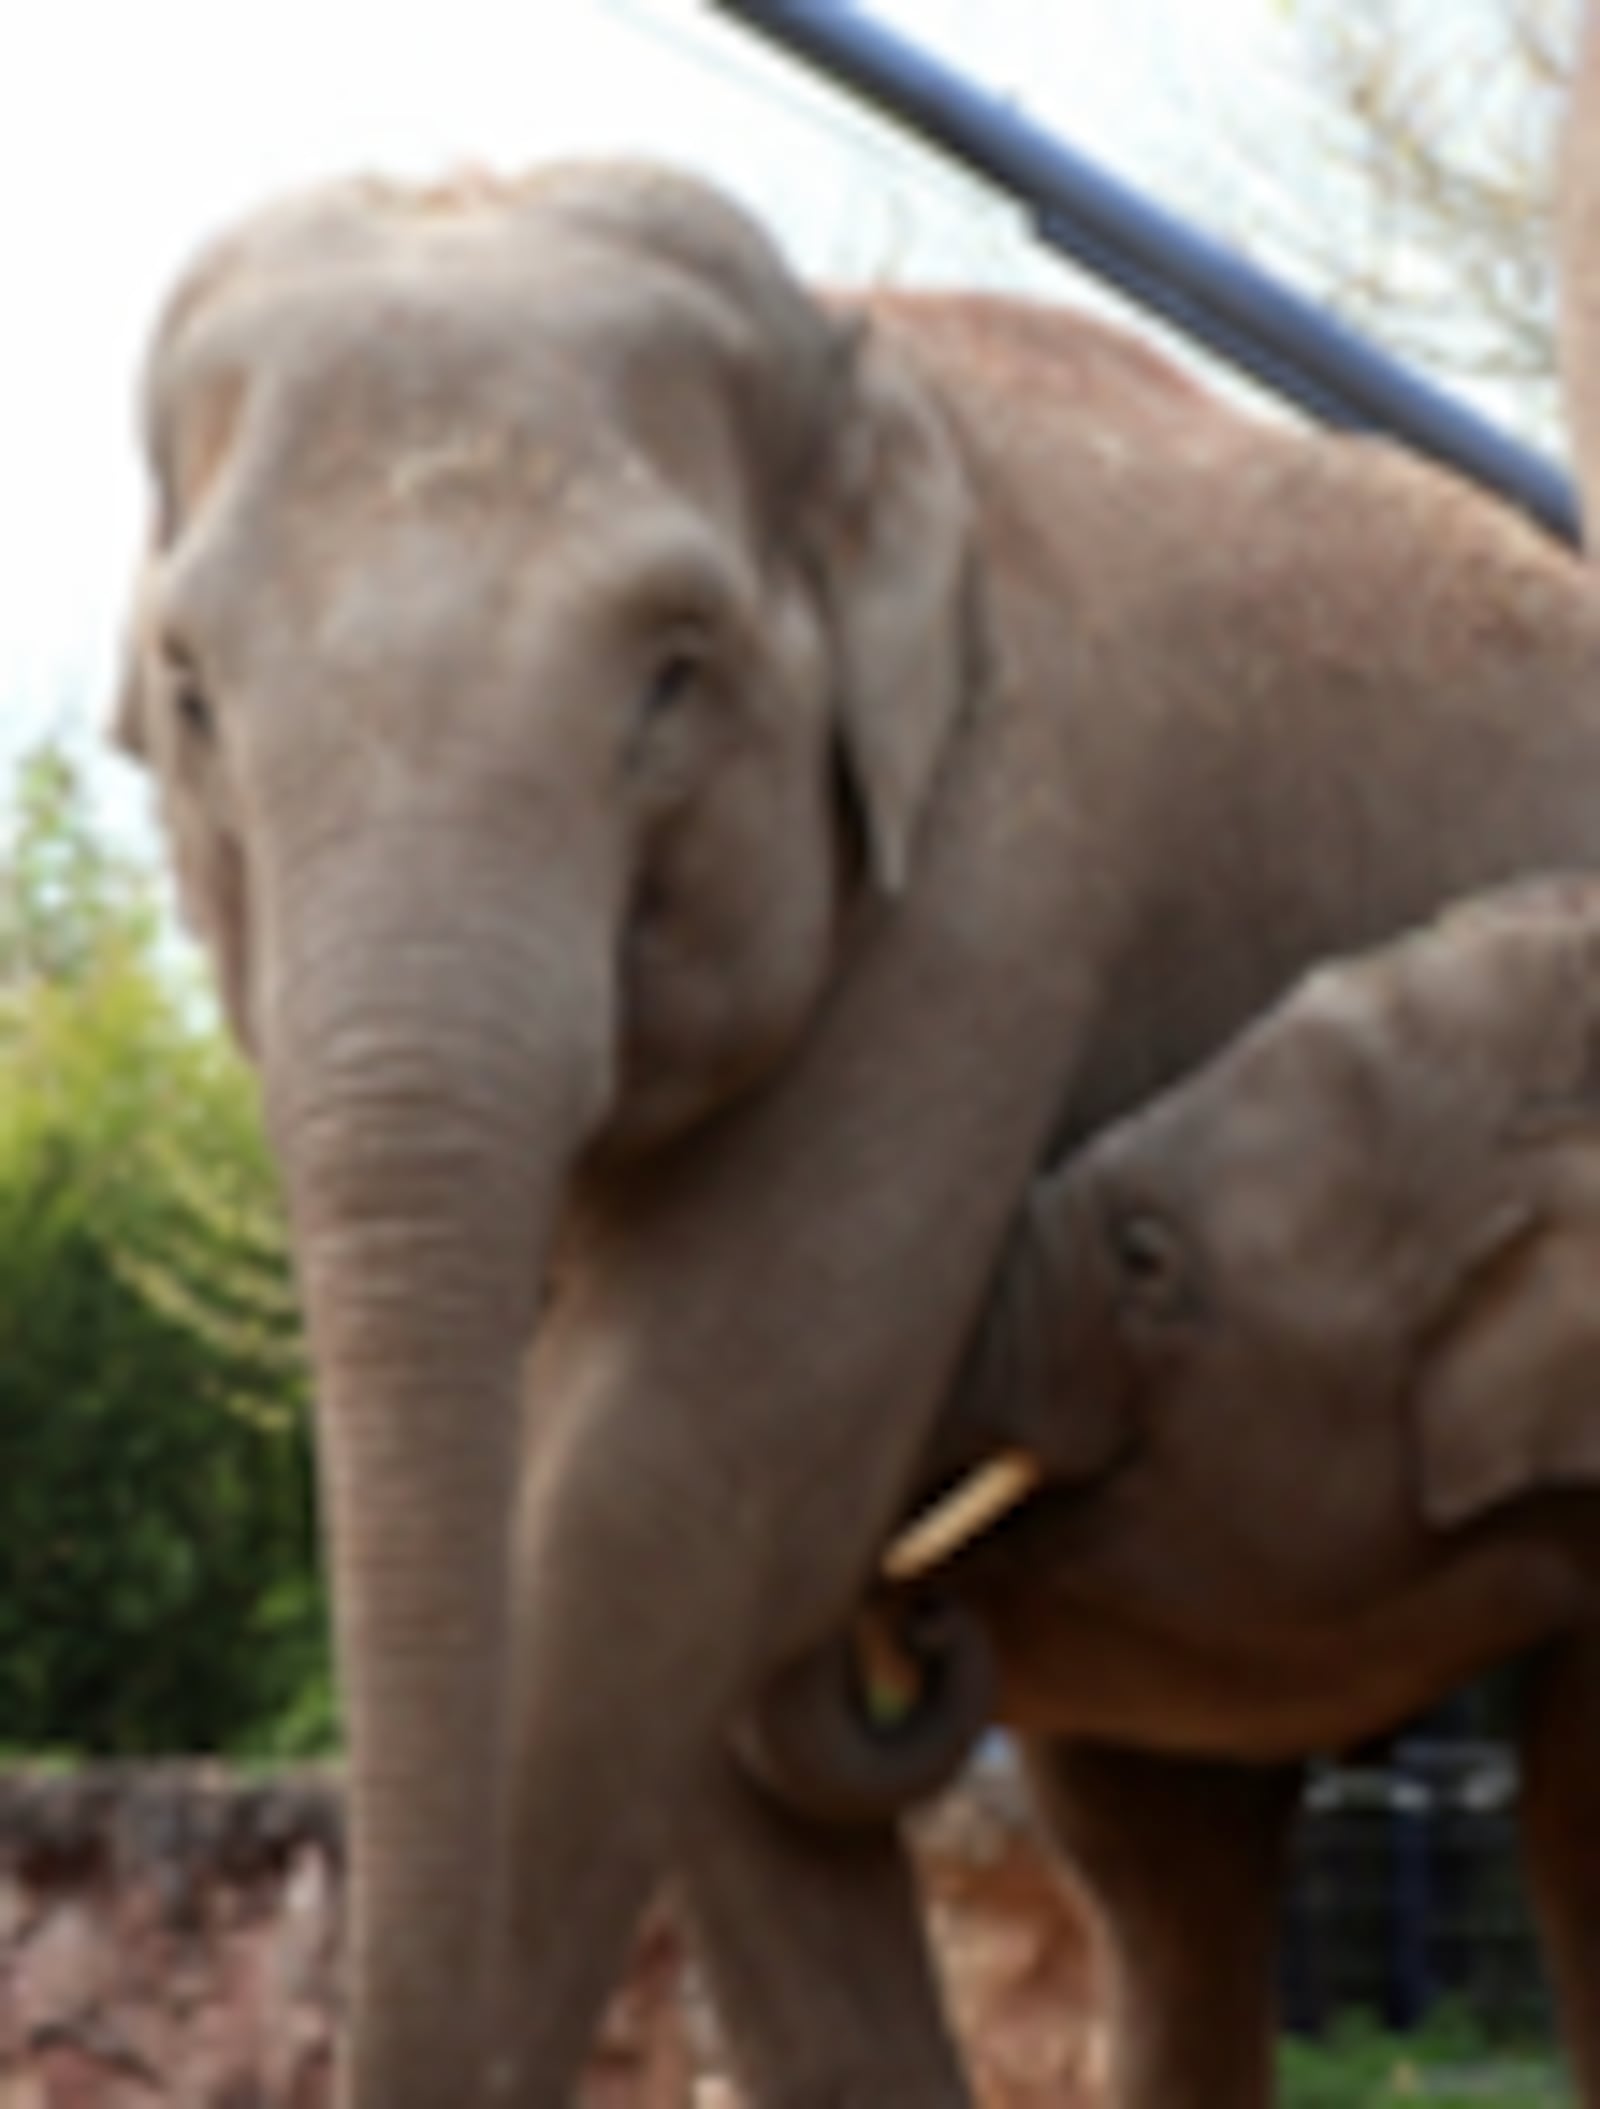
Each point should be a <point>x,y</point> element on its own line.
<point>158,1586</point>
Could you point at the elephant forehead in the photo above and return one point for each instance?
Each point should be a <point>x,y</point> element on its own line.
<point>1289,1161</point>
<point>1447,1031</point>
<point>648,217</point>
<point>422,379</point>
<point>600,295</point>
<point>348,401</point>
<point>1378,1107</point>
<point>284,490</point>
<point>1296,1103</point>
<point>1490,1010</point>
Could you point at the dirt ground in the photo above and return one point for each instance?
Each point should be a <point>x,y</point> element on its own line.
<point>170,1935</point>
<point>1014,1954</point>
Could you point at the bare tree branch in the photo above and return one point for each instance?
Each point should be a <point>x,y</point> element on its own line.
<point>1427,167</point>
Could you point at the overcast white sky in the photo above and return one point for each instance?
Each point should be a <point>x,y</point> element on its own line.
<point>128,128</point>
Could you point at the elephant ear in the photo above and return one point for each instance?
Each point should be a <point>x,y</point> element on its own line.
<point>892,540</point>
<point>1508,1402</point>
<point>207,862</point>
<point>127,715</point>
<point>127,727</point>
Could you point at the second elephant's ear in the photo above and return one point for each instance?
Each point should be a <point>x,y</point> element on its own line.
<point>1508,1399</point>
<point>892,538</point>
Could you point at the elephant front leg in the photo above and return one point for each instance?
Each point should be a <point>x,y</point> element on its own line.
<point>1560,1813</point>
<point>649,1597</point>
<point>814,1944</point>
<point>1182,1863</point>
<point>628,1648</point>
<point>664,1563</point>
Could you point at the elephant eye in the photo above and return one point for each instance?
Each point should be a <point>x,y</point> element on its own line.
<point>673,680</point>
<point>1152,1267</point>
<point>193,706</point>
<point>661,741</point>
<point>190,701</point>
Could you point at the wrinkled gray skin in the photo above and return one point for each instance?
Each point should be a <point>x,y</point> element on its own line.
<point>1148,1835</point>
<point>1342,1293</point>
<point>683,800</point>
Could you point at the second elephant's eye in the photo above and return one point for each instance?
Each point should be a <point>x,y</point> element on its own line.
<point>1154,1276</point>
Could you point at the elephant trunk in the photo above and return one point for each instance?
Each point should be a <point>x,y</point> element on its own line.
<point>879,1717</point>
<point>433,1066</point>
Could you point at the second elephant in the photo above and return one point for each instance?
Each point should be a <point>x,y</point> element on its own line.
<point>1340,1297</point>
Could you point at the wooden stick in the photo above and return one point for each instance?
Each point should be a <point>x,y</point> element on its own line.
<point>990,1491</point>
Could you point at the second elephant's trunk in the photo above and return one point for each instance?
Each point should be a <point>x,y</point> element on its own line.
<point>879,1717</point>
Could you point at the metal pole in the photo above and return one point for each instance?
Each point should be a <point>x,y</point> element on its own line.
<point>1193,281</point>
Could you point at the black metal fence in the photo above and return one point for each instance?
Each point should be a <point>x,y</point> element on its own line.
<point>1408,1893</point>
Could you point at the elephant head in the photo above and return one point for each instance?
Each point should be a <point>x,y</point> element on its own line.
<point>1371,1225</point>
<point>552,625</point>
<point>1382,1201</point>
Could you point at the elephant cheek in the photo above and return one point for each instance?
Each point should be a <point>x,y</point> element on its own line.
<point>711,1009</point>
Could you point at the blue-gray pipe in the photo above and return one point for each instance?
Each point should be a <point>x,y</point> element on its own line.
<point>1192,280</point>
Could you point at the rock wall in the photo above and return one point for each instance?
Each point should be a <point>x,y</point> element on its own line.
<point>170,1935</point>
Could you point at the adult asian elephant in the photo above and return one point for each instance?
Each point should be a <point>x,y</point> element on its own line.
<point>1340,1292</point>
<point>685,788</point>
